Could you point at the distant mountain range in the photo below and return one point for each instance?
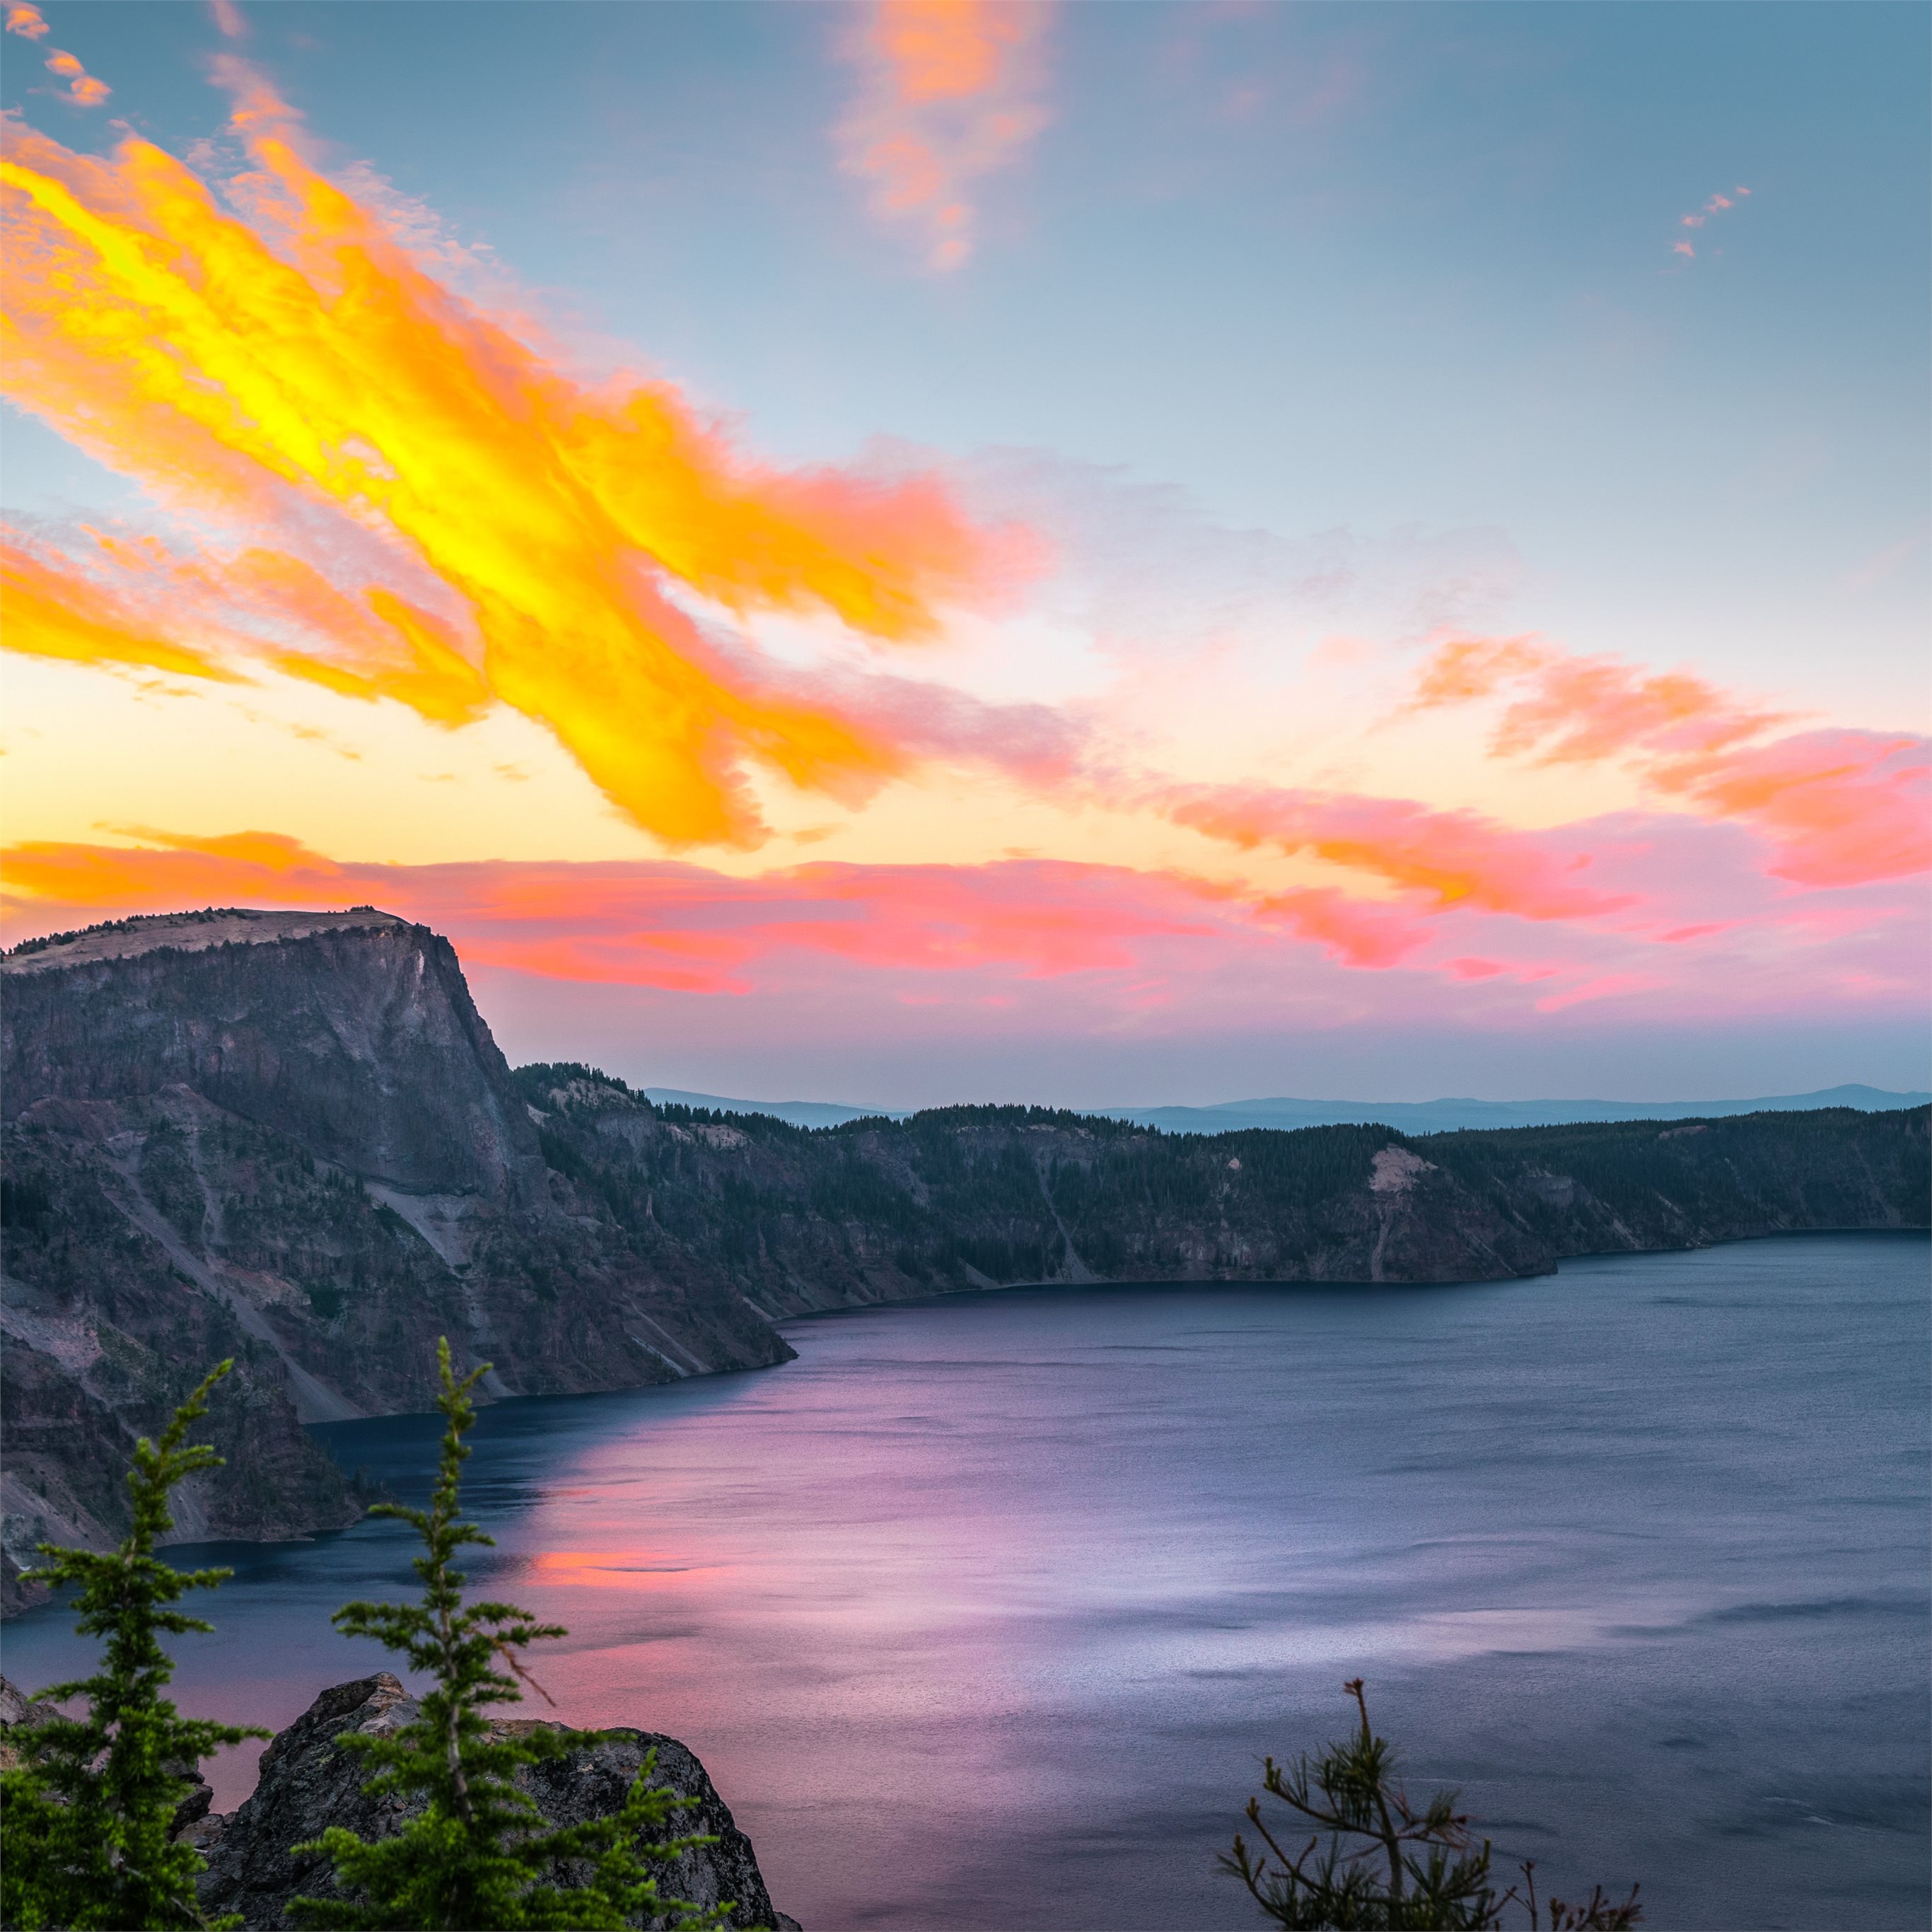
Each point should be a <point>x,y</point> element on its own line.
<point>1410,1117</point>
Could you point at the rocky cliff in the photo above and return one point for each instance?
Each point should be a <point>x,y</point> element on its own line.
<point>289,1138</point>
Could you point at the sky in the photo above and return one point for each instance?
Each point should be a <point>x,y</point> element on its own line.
<point>939,549</point>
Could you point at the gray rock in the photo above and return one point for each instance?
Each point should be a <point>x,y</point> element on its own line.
<point>17,1708</point>
<point>21,1716</point>
<point>307,1785</point>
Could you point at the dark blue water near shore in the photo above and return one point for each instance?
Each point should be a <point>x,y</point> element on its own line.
<point>983,1612</point>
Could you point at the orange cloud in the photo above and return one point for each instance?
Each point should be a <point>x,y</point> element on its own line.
<point>25,21</point>
<point>52,611</point>
<point>187,870</point>
<point>679,928</point>
<point>294,358</point>
<point>1574,710</point>
<point>948,96</point>
<point>1076,945</point>
<point>1843,808</point>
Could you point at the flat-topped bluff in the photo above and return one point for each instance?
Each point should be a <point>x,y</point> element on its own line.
<point>353,1031</point>
<point>183,931</point>
<point>290,1138</point>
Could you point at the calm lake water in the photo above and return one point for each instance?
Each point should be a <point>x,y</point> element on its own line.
<point>982,1613</point>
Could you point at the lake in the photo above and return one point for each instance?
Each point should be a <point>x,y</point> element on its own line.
<point>982,1613</point>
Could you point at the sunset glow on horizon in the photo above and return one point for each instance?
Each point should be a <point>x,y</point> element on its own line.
<point>348,565</point>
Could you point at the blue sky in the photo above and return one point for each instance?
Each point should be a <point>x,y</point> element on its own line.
<point>1422,281</point>
<point>1270,286</point>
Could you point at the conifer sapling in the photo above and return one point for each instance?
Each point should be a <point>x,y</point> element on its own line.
<point>1386,1864</point>
<point>87,1817</point>
<point>478,1854</point>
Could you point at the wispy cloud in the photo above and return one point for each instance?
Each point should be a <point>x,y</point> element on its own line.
<point>1841,807</point>
<point>83,89</point>
<point>1717,204</point>
<point>1447,858</point>
<point>949,92</point>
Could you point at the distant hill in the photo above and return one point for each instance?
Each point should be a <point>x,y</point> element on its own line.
<point>1443,1117</point>
<point>1411,1116</point>
<point>795,1113</point>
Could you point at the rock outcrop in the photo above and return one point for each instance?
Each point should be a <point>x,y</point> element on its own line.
<point>307,1784</point>
<point>20,1717</point>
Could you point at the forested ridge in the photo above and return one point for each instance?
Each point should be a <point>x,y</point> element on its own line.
<point>957,1196</point>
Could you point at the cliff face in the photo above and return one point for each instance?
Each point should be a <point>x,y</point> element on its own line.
<point>351,1034</point>
<point>289,1138</point>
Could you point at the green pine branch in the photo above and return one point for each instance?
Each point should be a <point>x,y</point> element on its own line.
<point>87,1817</point>
<point>1374,1862</point>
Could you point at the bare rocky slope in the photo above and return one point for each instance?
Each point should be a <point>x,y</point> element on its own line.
<point>289,1138</point>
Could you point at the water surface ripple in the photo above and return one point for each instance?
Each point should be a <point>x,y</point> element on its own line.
<point>983,1612</point>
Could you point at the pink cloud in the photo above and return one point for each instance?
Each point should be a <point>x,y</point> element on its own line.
<point>949,94</point>
<point>1452,858</point>
<point>26,20</point>
<point>1844,807</point>
<point>1358,932</point>
<point>1611,986</point>
<point>1076,949</point>
<point>1839,808</point>
<point>1716,204</point>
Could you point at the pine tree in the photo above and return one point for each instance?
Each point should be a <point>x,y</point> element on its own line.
<point>1387,1867</point>
<point>478,1854</point>
<point>86,1816</point>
